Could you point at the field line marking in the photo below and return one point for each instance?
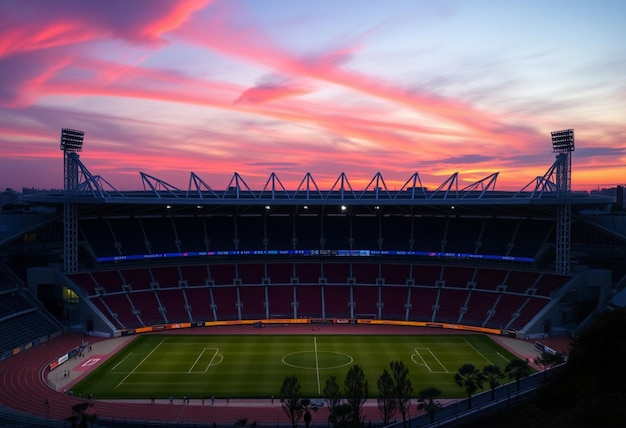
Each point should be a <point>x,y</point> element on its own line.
<point>121,361</point>
<point>215,354</point>
<point>435,357</point>
<point>481,354</point>
<point>140,363</point>
<point>422,358</point>
<point>503,357</point>
<point>317,367</point>
<point>197,359</point>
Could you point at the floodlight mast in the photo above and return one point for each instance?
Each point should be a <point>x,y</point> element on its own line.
<point>71,144</point>
<point>563,145</point>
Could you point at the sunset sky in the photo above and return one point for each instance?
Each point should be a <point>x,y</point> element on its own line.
<point>353,86</point>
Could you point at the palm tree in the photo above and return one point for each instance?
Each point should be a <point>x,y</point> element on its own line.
<point>517,369</point>
<point>493,374</point>
<point>427,401</point>
<point>470,378</point>
<point>548,360</point>
<point>306,405</point>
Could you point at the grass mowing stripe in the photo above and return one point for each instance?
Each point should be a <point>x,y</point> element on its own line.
<point>480,353</point>
<point>122,360</point>
<point>317,367</point>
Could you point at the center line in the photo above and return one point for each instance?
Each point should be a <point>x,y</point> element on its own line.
<point>317,367</point>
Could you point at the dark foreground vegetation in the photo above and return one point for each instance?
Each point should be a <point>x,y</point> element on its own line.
<point>589,391</point>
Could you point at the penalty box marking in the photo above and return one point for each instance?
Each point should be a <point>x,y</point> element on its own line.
<point>140,363</point>
<point>216,354</point>
<point>417,352</point>
<point>215,360</point>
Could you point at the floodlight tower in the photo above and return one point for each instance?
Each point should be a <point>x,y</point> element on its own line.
<point>71,144</point>
<point>563,145</point>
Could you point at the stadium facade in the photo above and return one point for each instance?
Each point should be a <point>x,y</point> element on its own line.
<point>467,257</point>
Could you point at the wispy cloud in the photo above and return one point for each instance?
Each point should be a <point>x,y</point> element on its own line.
<point>215,87</point>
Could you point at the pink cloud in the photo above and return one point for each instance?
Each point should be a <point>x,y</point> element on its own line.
<point>54,23</point>
<point>271,92</point>
<point>250,43</point>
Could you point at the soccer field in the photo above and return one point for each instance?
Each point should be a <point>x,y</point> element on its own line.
<point>255,366</point>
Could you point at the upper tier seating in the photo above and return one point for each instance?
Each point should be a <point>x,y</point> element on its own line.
<point>335,231</point>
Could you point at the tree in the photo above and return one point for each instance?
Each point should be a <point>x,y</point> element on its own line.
<point>341,416</point>
<point>307,406</point>
<point>80,417</point>
<point>492,375</point>
<point>290,400</point>
<point>403,387</point>
<point>470,378</point>
<point>590,390</point>
<point>426,400</point>
<point>547,360</point>
<point>356,390</point>
<point>386,397</point>
<point>517,369</point>
<point>332,392</point>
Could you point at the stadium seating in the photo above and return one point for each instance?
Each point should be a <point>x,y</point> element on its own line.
<point>449,303</point>
<point>309,298</point>
<point>160,235</point>
<point>166,277</point>
<point>394,299</point>
<point>225,301</point>
<point>251,273</point>
<point>337,301</point>
<point>200,303</point>
<point>279,273</point>
<point>279,232</point>
<point>443,293</point>
<point>116,236</point>
<point>13,302</point>
<point>422,301</point>
<point>366,299</point>
<point>280,301</point>
<point>429,290</point>
<point>252,298</point>
<point>20,329</point>
<point>477,307</point>
<point>175,304</point>
<point>250,232</point>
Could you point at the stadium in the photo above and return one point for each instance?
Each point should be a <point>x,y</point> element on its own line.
<point>90,274</point>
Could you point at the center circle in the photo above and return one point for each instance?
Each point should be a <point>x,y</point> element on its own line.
<point>320,360</point>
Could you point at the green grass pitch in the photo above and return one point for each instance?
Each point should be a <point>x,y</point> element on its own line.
<point>255,365</point>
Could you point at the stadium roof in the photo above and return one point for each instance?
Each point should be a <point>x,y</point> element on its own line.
<point>94,189</point>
